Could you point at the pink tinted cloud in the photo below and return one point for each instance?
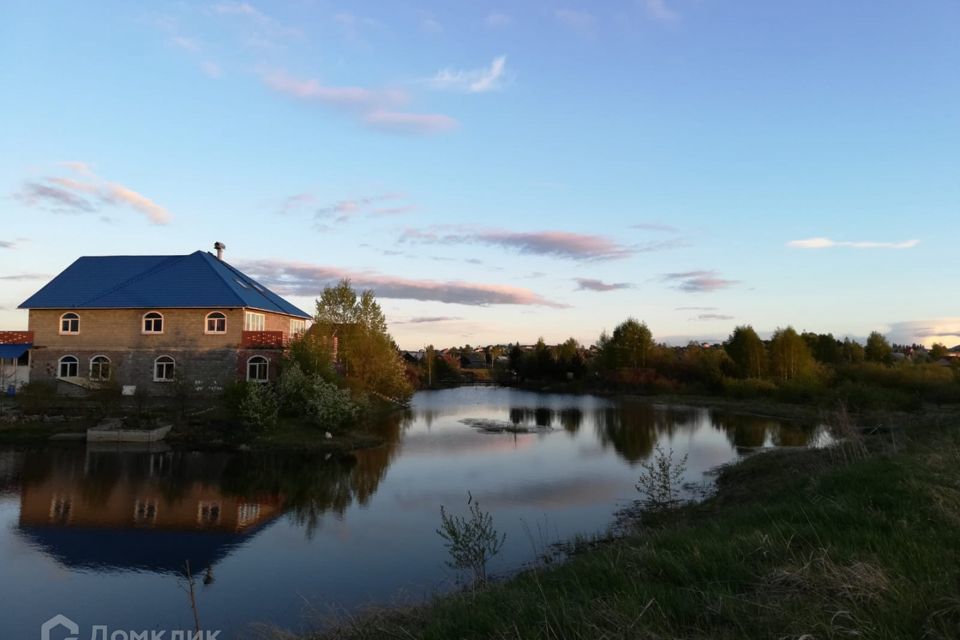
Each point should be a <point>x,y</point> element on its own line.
<point>591,284</point>
<point>311,89</point>
<point>698,281</point>
<point>827,243</point>
<point>410,123</point>
<point>70,195</point>
<point>561,244</point>
<point>375,109</point>
<point>306,279</point>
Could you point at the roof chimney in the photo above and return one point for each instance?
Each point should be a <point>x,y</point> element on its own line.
<point>219,247</point>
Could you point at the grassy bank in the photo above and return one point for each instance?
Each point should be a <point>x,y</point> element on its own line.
<point>853,542</point>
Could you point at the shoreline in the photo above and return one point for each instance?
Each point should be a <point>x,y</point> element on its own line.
<point>788,539</point>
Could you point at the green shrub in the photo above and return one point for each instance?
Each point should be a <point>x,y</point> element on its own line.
<point>322,403</point>
<point>37,397</point>
<point>749,388</point>
<point>799,390</point>
<point>326,405</point>
<point>861,396</point>
<point>292,389</point>
<point>258,408</point>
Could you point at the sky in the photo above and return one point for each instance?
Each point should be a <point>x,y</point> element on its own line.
<point>502,171</point>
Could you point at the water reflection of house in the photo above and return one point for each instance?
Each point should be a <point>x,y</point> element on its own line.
<point>132,521</point>
<point>201,507</point>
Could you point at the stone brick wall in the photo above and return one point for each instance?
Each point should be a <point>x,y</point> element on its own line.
<point>208,368</point>
<point>204,360</point>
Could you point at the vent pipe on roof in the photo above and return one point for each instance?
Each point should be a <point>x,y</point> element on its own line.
<point>219,247</point>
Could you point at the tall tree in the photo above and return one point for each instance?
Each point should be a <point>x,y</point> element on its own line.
<point>938,350</point>
<point>367,354</point>
<point>878,349</point>
<point>747,351</point>
<point>790,356</point>
<point>852,351</point>
<point>631,345</point>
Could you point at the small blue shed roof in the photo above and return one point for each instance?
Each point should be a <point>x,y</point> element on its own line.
<point>197,280</point>
<point>13,351</point>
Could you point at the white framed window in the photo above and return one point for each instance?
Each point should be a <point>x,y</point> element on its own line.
<point>216,323</point>
<point>69,324</point>
<point>297,326</point>
<point>258,369</point>
<point>68,367</point>
<point>164,368</point>
<point>100,368</point>
<point>152,322</point>
<point>254,321</point>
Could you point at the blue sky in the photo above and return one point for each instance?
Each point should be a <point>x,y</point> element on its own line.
<point>502,171</point>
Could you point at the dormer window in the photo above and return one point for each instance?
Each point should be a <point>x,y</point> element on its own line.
<point>69,324</point>
<point>152,322</point>
<point>216,323</point>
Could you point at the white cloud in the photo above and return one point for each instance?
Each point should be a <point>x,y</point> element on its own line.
<point>497,20</point>
<point>658,9</point>
<point>211,69</point>
<point>471,81</point>
<point>926,332</point>
<point>429,23</point>
<point>827,243</point>
<point>581,21</point>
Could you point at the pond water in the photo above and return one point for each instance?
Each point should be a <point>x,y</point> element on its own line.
<point>102,536</point>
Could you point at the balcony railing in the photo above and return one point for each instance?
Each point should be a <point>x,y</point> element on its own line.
<point>264,340</point>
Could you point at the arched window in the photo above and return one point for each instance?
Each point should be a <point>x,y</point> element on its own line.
<point>100,368</point>
<point>152,322</point>
<point>216,323</point>
<point>258,369</point>
<point>163,369</point>
<point>69,324</point>
<point>68,367</point>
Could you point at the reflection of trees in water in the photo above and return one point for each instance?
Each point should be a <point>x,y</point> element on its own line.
<point>11,471</point>
<point>571,418</point>
<point>372,463</point>
<point>312,485</point>
<point>568,418</point>
<point>753,431</point>
<point>308,484</point>
<point>633,428</point>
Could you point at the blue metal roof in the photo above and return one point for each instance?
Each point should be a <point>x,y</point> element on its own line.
<point>197,280</point>
<point>12,351</point>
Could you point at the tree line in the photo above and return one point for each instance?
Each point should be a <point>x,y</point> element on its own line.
<point>790,366</point>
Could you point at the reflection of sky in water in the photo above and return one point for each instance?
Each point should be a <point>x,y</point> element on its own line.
<point>97,536</point>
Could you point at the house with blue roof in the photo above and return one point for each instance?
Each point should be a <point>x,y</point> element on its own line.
<point>154,320</point>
